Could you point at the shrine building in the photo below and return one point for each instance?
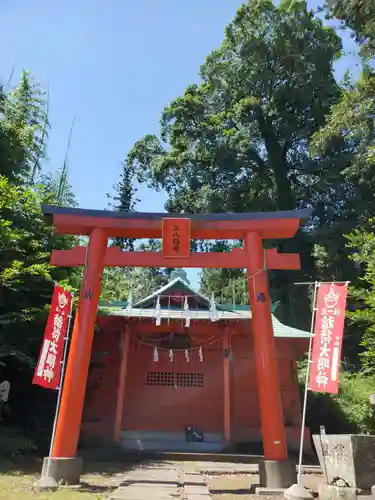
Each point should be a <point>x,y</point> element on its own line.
<point>176,359</point>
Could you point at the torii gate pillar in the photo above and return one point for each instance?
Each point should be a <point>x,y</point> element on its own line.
<point>276,471</point>
<point>64,465</point>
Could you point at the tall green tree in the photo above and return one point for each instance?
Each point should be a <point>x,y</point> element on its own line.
<point>363,242</point>
<point>352,118</point>
<point>23,130</point>
<point>352,122</point>
<point>125,200</point>
<point>359,16</point>
<point>239,141</point>
<point>26,278</point>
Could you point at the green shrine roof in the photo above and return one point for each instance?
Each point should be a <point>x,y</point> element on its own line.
<point>181,292</point>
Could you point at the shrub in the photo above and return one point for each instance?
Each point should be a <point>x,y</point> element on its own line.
<point>13,444</point>
<point>349,411</point>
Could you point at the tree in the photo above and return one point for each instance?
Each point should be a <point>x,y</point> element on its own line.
<point>228,286</point>
<point>26,278</point>
<point>351,123</point>
<point>359,16</point>
<point>125,201</point>
<point>363,242</point>
<point>352,118</point>
<point>23,130</point>
<point>143,281</point>
<point>179,273</point>
<point>239,141</point>
<point>116,283</point>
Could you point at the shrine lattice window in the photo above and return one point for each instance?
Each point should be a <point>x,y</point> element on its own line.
<point>171,379</point>
<point>189,379</point>
<point>160,379</point>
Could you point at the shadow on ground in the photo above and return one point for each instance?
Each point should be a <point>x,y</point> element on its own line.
<point>33,465</point>
<point>244,491</point>
<point>96,488</point>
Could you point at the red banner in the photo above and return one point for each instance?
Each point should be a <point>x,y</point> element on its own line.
<point>176,238</point>
<point>328,334</point>
<point>48,370</point>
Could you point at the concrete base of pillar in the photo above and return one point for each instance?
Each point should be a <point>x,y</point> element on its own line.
<point>277,473</point>
<point>63,470</point>
<point>330,492</point>
<point>45,483</point>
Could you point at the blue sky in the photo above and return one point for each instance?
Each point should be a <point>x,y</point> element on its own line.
<point>115,65</point>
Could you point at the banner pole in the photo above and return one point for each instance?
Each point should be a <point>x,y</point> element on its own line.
<point>304,407</point>
<point>59,392</point>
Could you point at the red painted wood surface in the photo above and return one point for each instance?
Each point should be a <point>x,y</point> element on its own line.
<point>170,409</point>
<point>117,258</point>
<point>158,408</point>
<point>200,229</point>
<point>121,381</point>
<point>73,393</point>
<point>176,238</point>
<point>101,394</point>
<point>269,393</point>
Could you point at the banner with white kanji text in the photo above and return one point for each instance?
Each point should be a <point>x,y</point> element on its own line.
<point>324,367</point>
<point>48,370</point>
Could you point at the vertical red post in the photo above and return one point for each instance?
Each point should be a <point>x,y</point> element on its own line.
<point>270,405</point>
<point>121,384</point>
<point>73,394</point>
<point>227,398</point>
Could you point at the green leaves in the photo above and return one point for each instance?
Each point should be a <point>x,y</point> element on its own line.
<point>239,141</point>
<point>359,16</point>
<point>362,241</point>
<point>23,130</point>
<point>26,278</point>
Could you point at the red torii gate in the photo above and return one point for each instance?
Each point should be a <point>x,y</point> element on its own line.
<point>176,231</point>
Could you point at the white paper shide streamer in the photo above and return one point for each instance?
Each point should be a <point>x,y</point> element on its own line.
<point>187,315</point>
<point>214,314</point>
<point>155,355</point>
<point>200,354</point>
<point>158,312</point>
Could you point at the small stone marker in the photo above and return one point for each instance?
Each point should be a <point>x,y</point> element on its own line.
<point>297,492</point>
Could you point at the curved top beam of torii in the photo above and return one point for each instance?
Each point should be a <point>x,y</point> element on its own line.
<point>271,225</point>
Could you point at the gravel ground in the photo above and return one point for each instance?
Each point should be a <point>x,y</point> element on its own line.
<point>238,486</point>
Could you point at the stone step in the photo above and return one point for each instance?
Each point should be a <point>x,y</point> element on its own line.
<point>181,446</point>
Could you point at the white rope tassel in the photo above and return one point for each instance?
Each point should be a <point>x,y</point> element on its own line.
<point>171,356</point>
<point>187,313</point>
<point>187,356</point>
<point>158,312</point>
<point>155,355</point>
<point>214,315</point>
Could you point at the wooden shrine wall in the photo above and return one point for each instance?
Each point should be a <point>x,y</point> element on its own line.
<point>168,396</point>
<point>164,396</point>
<point>101,391</point>
<point>245,405</point>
